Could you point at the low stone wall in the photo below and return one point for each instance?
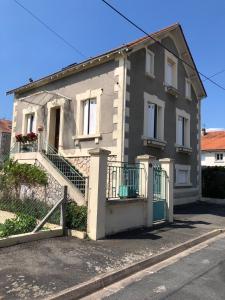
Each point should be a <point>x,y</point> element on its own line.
<point>185,195</point>
<point>213,200</point>
<point>125,214</point>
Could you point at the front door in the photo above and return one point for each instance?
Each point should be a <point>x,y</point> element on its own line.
<point>57,127</point>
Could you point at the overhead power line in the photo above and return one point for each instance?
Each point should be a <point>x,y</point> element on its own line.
<point>158,42</point>
<point>50,29</point>
<point>215,74</point>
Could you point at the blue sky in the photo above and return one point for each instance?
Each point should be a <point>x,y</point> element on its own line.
<point>27,49</point>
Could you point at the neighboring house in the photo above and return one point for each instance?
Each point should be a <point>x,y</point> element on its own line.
<point>213,148</point>
<point>136,99</point>
<point>5,138</point>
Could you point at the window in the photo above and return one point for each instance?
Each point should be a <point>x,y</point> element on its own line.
<point>182,128</point>
<point>182,175</point>
<point>187,89</point>
<point>149,64</point>
<point>152,120</point>
<point>89,116</point>
<point>170,69</point>
<point>29,123</point>
<point>153,117</point>
<point>219,156</point>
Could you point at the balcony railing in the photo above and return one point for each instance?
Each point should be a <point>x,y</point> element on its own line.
<point>125,180</point>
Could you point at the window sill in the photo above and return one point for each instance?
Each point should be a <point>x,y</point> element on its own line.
<point>155,143</point>
<point>219,161</point>
<point>79,138</point>
<point>172,90</point>
<point>183,185</point>
<point>188,98</point>
<point>182,149</point>
<point>152,76</point>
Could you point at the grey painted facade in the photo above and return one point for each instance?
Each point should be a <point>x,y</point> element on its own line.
<point>109,77</point>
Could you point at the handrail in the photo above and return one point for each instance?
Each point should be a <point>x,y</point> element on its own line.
<point>63,159</point>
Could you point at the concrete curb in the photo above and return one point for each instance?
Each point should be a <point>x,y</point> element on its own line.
<point>99,282</point>
<point>30,237</point>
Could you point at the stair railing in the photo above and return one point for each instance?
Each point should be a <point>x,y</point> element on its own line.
<point>64,167</point>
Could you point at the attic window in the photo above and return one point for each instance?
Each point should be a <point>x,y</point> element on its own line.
<point>170,70</point>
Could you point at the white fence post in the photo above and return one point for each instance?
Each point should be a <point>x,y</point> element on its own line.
<point>147,161</point>
<point>167,164</point>
<point>97,193</point>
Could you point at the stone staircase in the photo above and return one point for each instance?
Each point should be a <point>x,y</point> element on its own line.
<point>66,169</point>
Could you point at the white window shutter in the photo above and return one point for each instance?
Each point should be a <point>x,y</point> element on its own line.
<point>33,123</point>
<point>85,119</point>
<point>151,120</point>
<point>92,121</point>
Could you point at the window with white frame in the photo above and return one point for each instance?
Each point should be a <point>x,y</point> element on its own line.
<point>182,128</point>
<point>30,119</point>
<point>89,116</point>
<point>170,69</point>
<point>149,63</point>
<point>188,88</point>
<point>153,117</point>
<point>182,175</point>
<point>219,157</point>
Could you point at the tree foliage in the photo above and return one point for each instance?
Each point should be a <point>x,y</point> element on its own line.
<point>14,175</point>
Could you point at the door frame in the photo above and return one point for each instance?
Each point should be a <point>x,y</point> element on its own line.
<point>52,105</point>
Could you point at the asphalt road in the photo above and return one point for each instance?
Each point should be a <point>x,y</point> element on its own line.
<point>198,274</point>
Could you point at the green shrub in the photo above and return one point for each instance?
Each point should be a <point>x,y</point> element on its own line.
<point>20,224</point>
<point>76,216</point>
<point>213,182</point>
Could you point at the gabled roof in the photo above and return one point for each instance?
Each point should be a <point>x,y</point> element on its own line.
<point>213,140</point>
<point>75,68</point>
<point>5,126</point>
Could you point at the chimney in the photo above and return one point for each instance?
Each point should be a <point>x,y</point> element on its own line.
<point>204,131</point>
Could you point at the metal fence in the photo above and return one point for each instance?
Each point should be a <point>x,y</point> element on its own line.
<point>125,180</point>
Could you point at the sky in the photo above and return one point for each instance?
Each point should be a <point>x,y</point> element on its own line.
<point>27,49</point>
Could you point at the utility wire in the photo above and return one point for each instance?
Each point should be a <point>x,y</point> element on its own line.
<point>156,41</point>
<point>215,74</point>
<point>50,29</point>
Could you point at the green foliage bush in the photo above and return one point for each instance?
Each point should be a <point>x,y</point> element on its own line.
<point>213,182</point>
<point>14,175</point>
<point>20,224</point>
<point>76,216</point>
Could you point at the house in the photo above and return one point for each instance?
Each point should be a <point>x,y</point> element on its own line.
<point>5,137</point>
<point>133,100</point>
<point>213,147</point>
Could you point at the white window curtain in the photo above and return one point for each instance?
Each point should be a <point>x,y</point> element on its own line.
<point>30,123</point>
<point>169,73</point>
<point>183,177</point>
<point>188,89</point>
<point>89,117</point>
<point>151,120</point>
<point>85,117</point>
<point>92,119</point>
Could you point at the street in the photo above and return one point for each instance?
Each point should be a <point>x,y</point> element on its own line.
<point>198,273</point>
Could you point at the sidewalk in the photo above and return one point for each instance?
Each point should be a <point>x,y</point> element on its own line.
<point>37,269</point>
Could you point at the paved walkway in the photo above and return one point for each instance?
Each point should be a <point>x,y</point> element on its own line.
<point>37,269</point>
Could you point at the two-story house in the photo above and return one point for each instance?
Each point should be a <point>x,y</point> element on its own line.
<point>136,99</point>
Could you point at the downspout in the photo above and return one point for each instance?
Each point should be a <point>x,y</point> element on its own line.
<point>124,104</point>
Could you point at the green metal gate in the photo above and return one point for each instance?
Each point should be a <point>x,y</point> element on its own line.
<point>159,193</point>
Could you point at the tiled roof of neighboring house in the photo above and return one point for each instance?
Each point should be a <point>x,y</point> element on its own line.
<point>5,126</point>
<point>213,140</point>
<point>72,68</point>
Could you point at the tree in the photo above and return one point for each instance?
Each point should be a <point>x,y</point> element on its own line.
<point>14,175</point>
